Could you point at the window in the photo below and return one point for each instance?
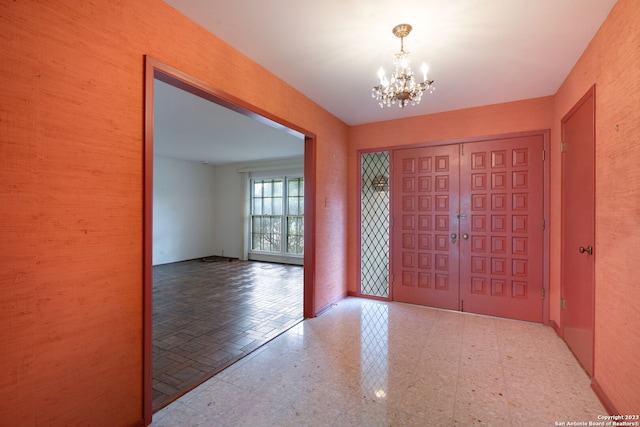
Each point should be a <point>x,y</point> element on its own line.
<point>375,224</point>
<point>277,216</point>
<point>295,216</point>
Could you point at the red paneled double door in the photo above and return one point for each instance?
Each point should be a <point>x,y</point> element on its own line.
<point>468,227</point>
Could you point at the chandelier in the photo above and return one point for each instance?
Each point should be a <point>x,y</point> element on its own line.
<point>401,87</point>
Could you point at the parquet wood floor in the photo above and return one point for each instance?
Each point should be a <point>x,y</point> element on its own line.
<point>208,314</point>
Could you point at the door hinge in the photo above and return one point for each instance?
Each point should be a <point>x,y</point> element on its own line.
<point>563,147</point>
<point>544,224</point>
<point>544,155</point>
<point>392,278</point>
<point>542,293</point>
<point>562,304</point>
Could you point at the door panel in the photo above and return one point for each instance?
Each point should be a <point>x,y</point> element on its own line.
<point>425,202</point>
<point>578,225</point>
<point>468,227</point>
<point>501,260</point>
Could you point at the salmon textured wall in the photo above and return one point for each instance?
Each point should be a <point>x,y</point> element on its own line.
<point>529,115</point>
<point>612,63</point>
<point>71,143</point>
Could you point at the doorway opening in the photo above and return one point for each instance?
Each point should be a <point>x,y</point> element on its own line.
<point>159,72</point>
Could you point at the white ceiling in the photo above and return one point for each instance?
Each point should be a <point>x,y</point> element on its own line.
<point>191,128</point>
<point>479,52</point>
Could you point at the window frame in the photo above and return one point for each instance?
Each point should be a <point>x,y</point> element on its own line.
<point>283,255</point>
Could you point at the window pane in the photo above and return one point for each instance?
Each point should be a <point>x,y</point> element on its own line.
<point>293,205</point>
<point>293,187</point>
<point>266,234</point>
<point>268,203</point>
<point>258,230</point>
<point>276,224</point>
<point>277,206</point>
<point>295,235</point>
<point>257,207</point>
<point>277,188</point>
<point>257,189</point>
<point>255,225</point>
<point>296,195</point>
<point>276,232</point>
<point>255,241</point>
<point>277,197</point>
<point>267,188</point>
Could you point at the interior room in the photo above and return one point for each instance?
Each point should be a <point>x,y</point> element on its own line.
<point>519,288</point>
<point>213,301</point>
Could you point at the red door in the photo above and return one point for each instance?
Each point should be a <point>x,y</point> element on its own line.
<point>425,204</point>
<point>467,228</point>
<point>578,225</point>
<point>501,258</point>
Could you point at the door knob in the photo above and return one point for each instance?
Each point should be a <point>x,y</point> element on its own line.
<point>454,236</point>
<point>465,236</point>
<point>588,250</point>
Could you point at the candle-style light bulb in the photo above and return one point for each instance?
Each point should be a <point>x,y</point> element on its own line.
<point>381,74</point>
<point>404,62</point>
<point>424,68</point>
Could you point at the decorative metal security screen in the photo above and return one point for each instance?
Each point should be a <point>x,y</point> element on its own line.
<point>374,224</point>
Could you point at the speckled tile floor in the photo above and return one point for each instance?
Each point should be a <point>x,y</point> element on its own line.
<point>371,363</point>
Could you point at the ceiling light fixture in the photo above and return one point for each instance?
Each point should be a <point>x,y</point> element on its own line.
<point>401,87</point>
